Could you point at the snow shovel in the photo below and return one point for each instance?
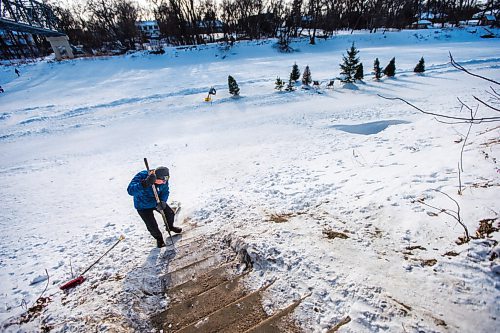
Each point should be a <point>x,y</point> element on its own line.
<point>80,279</point>
<point>158,202</point>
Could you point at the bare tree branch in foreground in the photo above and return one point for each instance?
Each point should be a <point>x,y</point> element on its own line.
<point>455,215</point>
<point>458,120</point>
<point>460,67</point>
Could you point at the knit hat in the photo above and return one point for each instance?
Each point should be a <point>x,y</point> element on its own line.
<point>162,173</point>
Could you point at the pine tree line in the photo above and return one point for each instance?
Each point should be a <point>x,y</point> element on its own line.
<point>351,72</point>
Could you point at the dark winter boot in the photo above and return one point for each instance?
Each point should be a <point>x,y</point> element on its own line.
<point>160,243</point>
<point>176,230</point>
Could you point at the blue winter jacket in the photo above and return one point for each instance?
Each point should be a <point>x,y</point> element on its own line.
<point>144,198</point>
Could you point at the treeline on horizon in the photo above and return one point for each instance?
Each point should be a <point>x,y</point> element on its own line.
<point>94,23</point>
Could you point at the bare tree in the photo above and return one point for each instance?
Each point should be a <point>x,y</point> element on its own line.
<point>314,15</point>
<point>68,23</point>
<point>295,21</point>
<point>252,19</point>
<point>177,20</point>
<point>280,10</point>
<point>230,18</point>
<point>285,30</point>
<point>209,23</point>
<point>102,20</point>
<point>112,21</point>
<point>250,14</point>
<point>461,10</point>
<point>127,14</point>
<point>334,15</point>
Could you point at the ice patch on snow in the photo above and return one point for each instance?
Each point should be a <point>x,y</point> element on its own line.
<point>38,279</point>
<point>369,128</point>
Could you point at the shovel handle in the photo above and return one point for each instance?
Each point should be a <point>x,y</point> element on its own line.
<point>157,197</point>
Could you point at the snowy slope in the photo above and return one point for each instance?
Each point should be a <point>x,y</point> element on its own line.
<point>74,133</point>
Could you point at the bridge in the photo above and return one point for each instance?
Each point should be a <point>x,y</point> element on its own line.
<point>19,17</point>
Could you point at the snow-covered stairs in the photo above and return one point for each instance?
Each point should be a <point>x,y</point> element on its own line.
<point>207,292</point>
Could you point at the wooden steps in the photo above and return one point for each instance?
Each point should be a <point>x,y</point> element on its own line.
<point>206,292</point>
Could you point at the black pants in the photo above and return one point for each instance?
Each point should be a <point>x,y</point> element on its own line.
<point>150,221</point>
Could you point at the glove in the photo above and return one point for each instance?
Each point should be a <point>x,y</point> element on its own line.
<point>149,181</point>
<point>161,206</point>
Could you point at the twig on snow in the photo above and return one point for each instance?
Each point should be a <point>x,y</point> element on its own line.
<point>46,286</point>
<point>459,180</point>
<point>24,304</point>
<point>466,137</point>
<point>457,216</point>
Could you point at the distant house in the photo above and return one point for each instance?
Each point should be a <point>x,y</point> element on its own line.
<point>421,24</point>
<point>149,29</point>
<point>486,19</point>
<point>471,23</point>
<point>425,18</point>
<point>210,26</point>
<point>432,16</point>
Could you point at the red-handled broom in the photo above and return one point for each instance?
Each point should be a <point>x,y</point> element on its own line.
<point>80,279</point>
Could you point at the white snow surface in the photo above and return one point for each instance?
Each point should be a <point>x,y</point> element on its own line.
<point>74,133</point>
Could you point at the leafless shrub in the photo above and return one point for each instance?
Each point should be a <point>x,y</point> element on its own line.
<point>455,214</point>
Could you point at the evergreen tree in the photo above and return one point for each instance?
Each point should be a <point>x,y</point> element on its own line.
<point>233,86</point>
<point>420,68</point>
<point>359,75</point>
<point>295,76</point>
<point>350,65</point>
<point>290,86</point>
<point>376,69</point>
<point>390,69</point>
<point>279,84</point>
<point>306,76</point>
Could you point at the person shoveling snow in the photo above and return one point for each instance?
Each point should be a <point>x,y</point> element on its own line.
<point>150,191</point>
